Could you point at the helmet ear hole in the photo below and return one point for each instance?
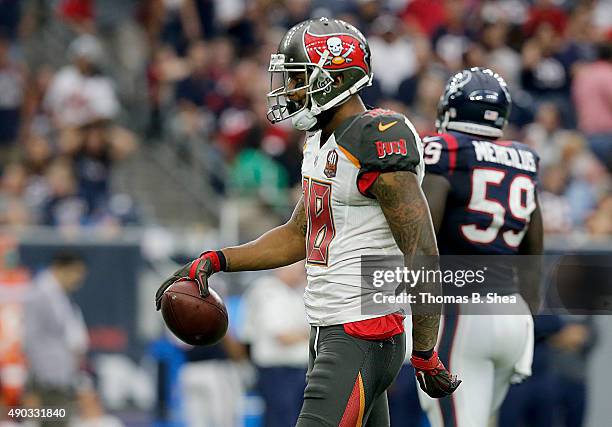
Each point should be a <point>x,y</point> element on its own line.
<point>338,79</point>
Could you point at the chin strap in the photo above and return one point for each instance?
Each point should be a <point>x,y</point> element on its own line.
<point>344,96</point>
<point>303,120</point>
<point>306,119</point>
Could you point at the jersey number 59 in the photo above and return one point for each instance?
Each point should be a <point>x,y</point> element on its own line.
<point>520,204</point>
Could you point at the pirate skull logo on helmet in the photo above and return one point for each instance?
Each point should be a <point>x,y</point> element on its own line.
<point>334,44</point>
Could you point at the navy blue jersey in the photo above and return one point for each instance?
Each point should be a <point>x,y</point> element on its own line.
<point>492,192</point>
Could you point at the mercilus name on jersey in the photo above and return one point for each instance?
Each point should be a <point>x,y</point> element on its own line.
<point>507,156</point>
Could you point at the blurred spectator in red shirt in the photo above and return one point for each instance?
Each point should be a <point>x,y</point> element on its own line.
<point>545,12</point>
<point>79,14</point>
<point>592,93</point>
<point>425,15</point>
<point>76,10</point>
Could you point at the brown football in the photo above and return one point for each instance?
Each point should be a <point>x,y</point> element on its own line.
<point>193,319</point>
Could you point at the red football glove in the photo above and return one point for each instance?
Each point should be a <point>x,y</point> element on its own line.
<point>433,377</point>
<point>200,269</point>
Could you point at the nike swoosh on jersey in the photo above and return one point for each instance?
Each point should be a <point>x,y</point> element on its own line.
<point>383,128</point>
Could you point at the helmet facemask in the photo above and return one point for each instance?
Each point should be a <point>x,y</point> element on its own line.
<point>282,74</point>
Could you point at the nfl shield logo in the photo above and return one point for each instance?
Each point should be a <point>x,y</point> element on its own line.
<point>332,164</point>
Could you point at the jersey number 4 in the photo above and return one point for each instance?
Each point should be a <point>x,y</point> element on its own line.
<point>321,229</point>
<point>520,204</point>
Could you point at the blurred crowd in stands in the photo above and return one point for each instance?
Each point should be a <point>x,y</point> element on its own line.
<point>84,84</point>
<point>80,78</point>
<point>59,135</point>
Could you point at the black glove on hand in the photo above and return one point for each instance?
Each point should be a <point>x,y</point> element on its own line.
<point>200,269</point>
<point>433,377</point>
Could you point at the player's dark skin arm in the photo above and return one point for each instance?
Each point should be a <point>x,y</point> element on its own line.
<point>283,245</point>
<point>405,208</point>
<point>436,189</point>
<point>530,276</point>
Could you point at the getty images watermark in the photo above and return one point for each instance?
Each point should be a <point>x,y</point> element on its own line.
<point>401,279</point>
<point>500,284</point>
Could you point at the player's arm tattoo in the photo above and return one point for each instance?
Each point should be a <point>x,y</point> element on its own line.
<point>298,217</point>
<point>405,208</point>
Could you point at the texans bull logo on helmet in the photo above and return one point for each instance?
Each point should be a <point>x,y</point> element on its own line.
<point>344,50</point>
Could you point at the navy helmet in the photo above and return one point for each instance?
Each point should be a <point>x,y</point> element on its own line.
<point>475,101</point>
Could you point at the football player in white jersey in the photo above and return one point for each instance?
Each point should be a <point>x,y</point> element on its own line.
<point>362,173</point>
<point>482,194</point>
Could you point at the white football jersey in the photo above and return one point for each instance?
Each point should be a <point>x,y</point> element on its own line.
<point>343,223</point>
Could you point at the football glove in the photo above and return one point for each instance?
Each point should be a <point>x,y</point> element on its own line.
<point>433,377</point>
<point>199,270</point>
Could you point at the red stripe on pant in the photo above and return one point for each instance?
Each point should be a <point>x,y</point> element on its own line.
<point>445,350</point>
<point>353,414</point>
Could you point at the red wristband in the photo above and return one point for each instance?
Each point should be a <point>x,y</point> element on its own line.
<point>427,364</point>
<point>217,261</point>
